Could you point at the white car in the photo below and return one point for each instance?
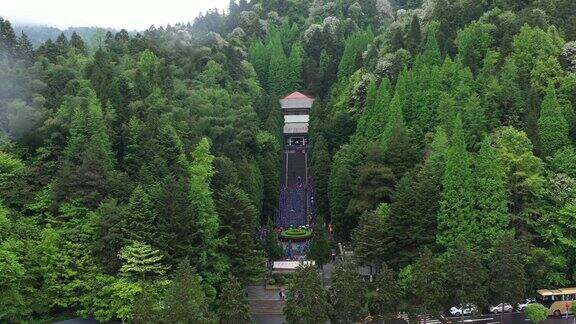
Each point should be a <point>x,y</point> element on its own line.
<point>468,309</point>
<point>498,308</point>
<point>522,305</point>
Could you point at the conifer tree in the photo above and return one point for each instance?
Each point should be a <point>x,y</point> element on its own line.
<point>455,218</point>
<point>491,199</point>
<point>295,68</point>
<point>413,220</point>
<point>383,299</point>
<point>371,238</point>
<point>279,68</point>
<point>321,168</point>
<point>378,116</point>
<point>307,300</point>
<point>141,261</point>
<point>88,156</point>
<point>507,273</point>
<point>140,219</point>
<point>239,223</point>
<point>260,58</point>
<point>233,306</point>
<point>273,249</point>
<point>201,170</point>
<point>320,247</point>
<point>553,129</point>
<point>414,36</point>
<point>347,293</point>
<point>185,301</point>
<point>78,43</point>
<point>463,264</point>
<point>426,292</point>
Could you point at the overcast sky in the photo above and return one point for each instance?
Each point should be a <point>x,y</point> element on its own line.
<point>128,14</point>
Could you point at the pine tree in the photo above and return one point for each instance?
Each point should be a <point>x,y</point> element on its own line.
<point>414,36</point>
<point>141,261</point>
<point>233,306</point>
<point>78,43</point>
<point>426,291</point>
<point>239,223</point>
<point>295,68</point>
<point>462,265</point>
<point>491,199</point>
<point>321,168</point>
<point>88,156</point>
<point>279,68</point>
<point>260,58</point>
<point>273,248</point>
<point>383,299</point>
<point>455,218</point>
<point>553,129</point>
<point>209,261</point>
<point>413,220</point>
<point>347,292</point>
<point>140,219</point>
<point>185,301</point>
<point>307,300</point>
<point>507,273</point>
<point>379,115</point>
<point>371,239</point>
<point>320,247</point>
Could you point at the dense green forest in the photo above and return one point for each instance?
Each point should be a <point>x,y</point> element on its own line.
<point>136,171</point>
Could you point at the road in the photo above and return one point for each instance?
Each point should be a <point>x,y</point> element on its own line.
<point>508,318</point>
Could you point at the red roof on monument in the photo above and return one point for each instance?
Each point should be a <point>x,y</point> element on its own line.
<point>297,95</point>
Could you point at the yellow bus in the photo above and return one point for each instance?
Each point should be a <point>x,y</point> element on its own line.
<point>558,301</point>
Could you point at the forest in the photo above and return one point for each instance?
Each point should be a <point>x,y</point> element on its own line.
<point>137,171</point>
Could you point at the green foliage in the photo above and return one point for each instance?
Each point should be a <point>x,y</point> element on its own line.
<point>185,301</point>
<point>552,127</point>
<point>507,276</point>
<point>462,265</point>
<point>141,261</point>
<point>233,306</point>
<point>537,313</point>
<point>371,238</point>
<point>239,224</point>
<point>384,296</point>
<point>306,302</point>
<point>426,292</point>
<point>347,293</point>
<point>272,245</point>
<point>320,247</point>
<point>455,218</point>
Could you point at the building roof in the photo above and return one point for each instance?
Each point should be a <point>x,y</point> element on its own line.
<point>297,95</point>
<point>559,291</point>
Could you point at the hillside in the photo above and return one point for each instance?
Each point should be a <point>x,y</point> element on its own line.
<point>140,173</point>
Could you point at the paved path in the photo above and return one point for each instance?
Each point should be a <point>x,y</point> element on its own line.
<point>264,302</point>
<point>508,318</point>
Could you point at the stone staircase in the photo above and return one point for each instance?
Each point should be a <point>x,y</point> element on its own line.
<point>267,307</point>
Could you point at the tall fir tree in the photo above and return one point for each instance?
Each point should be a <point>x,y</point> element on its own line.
<point>88,162</point>
<point>307,301</point>
<point>295,68</point>
<point>347,292</point>
<point>490,195</point>
<point>320,247</point>
<point>455,218</point>
<point>185,301</point>
<point>233,307</point>
<point>209,260</point>
<point>553,129</point>
<point>239,223</point>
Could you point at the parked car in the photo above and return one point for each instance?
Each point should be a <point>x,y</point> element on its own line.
<point>522,305</point>
<point>498,308</point>
<point>468,309</point>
